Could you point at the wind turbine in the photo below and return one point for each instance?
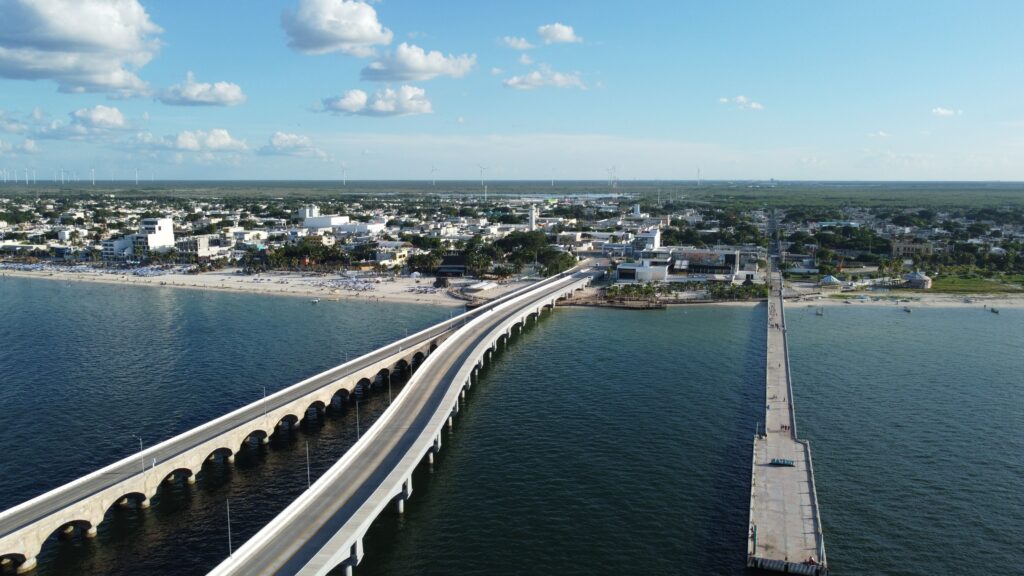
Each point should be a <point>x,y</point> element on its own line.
<point>92,172</point>
<point>433,180</point>
<point>344,174</point>
<point>613,179</point>
<point>482,170</point>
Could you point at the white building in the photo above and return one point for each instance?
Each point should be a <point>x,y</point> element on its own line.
<point>307,212</point>
<point>329,221</point>
<point>155,235</point>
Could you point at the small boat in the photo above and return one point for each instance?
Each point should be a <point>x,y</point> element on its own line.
<point>994,310</point>
<point>782,462</point>
<point>906,309</point>
<point>819,312</point>
<point>314,301</point>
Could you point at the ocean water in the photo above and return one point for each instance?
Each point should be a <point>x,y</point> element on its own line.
<point>601,441</point>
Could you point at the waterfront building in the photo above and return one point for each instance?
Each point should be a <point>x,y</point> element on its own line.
<point>918,280</point>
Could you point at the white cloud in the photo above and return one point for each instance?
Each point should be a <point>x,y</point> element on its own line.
<point>525,59</point>
<point>322,26</point>
<point>83,124</point>
<point>11,125</point>
<point>497,71</point>
<point>410,62</point>
<point>558,33</point>
<point>193,93</point>
<point>27,146</point>
<point>83,45</point>
<point>285,144</point>
<point>545,76</point>
<point>940,111</point>
<point>406,101</point>
<point>516,43</point>
<point>98,117</point>
<point>742,102</point>
<point>879,134</point>
<point>216,140</point>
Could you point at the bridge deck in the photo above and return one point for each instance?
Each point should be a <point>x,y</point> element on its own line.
<point>308,537</point>
<point>785,531</point>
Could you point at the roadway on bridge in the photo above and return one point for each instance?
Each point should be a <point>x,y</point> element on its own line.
<point>303,535</point>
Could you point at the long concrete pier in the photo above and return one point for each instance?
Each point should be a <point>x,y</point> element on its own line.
<point>785,524</point>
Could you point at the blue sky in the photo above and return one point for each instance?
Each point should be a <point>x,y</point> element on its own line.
<point>304,89</point>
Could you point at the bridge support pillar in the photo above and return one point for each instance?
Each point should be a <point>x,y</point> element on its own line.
<point>400,505</point>
<point>451,423</point>
<point>265,440</point>
<point>191,480</point>
<point>430,457</point>
<point>68,530</point>
<point>144,503</point>
<point>230,459</point>
<point>91,532</point>
<point>348,570</point>
<point>27,566</point>
<point>463,394</point>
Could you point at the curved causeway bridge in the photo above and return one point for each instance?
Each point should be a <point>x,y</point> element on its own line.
<point>79,506</point>
<point>323,529</point>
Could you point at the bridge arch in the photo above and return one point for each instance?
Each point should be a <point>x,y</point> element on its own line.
<point>417,359</point>
<point>287,422</point>
<point>381,380</point>
<point>223,454</point>
<point>314,412</point>
<point>362,388</point>
<point>14,561</point>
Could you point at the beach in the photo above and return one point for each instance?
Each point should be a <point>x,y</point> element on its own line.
<point>324,287</point>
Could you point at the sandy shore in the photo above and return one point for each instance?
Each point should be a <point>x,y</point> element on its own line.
<point>327,287</point>
<point>910,300</point>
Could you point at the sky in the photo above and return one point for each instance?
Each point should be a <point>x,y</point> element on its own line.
<point>513,90</point>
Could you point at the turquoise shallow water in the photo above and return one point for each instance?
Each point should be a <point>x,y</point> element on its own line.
<point>602,441</point>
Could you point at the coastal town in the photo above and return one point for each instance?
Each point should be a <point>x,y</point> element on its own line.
<point>452,248</point>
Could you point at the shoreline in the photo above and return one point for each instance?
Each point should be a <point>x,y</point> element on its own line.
<point>402,290</point>
<point>911,300</point>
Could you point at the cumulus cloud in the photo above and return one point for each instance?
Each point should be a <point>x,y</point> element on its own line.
<point>879,134</point>
<point>26,146</point>
<point>193,93</point>
<point>82,45</point>
<point>322,26</point>
<point>558,33</point>
<point>412,63</point>
<point>11,125</point>
<point>742,102</point>
<point>940,111</point>
<point>285,144</point>
<point>98,117</point>
<point>516,43</point>
<point>216,140</point>
<point>525,59</point>
<point>83,124</point>
<point>545,76</point>
<point>406,101</point>
<point>495,71</point>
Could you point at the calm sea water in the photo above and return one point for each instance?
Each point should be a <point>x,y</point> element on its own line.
<point>604,441</point>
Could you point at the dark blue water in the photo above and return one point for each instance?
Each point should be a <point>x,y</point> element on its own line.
<point>85,367</point>
<point>603,441</point>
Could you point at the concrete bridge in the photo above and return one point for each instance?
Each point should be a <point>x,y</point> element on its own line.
<point>323,529</point>
<point>785,523</point>
<point>78,507</point>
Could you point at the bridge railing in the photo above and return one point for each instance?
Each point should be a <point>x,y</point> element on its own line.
<point>311,495</point>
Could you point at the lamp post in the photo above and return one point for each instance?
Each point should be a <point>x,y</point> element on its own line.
<point>143,458</point>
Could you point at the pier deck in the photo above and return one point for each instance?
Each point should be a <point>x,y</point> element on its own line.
<point>785,526</point>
